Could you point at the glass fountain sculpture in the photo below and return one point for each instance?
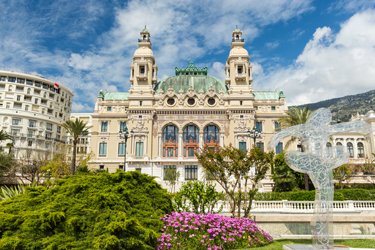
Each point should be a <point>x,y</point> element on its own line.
<point>318,161</point>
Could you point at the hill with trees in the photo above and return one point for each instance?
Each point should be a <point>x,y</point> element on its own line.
<point>343,108</point>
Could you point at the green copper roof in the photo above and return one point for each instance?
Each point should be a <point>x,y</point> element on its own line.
<point>199,83</point>
<point>191,69</point>
<point>191,77</point>
<point>268,95</point>
<point>113,96</point>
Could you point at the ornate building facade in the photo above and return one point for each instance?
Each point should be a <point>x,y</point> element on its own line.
<point>169,120</point>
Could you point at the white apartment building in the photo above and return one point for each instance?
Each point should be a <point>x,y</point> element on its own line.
<point>32,110</point>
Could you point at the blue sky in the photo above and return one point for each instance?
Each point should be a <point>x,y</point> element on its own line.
<point>312,50</point>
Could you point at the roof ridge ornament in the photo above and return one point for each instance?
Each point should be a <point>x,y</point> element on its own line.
<point>191,69</point>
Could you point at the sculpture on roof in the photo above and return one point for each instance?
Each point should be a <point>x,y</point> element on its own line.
<point>318,161</point>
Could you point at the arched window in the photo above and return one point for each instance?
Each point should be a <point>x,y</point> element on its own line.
<point>170,145</point>
<point>349,145</point>
<point>191,140</point>
<point>211,135</point>
<point>328,145</point>
<point>361,150</point>
<point>338,144</point>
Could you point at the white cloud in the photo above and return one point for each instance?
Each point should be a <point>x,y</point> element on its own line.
<point>331,65</point>
<point>352,6</point>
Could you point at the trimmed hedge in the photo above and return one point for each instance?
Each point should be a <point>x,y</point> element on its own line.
<point>339,195</point>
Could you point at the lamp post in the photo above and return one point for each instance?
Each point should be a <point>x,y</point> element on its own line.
<point>254,133</point>
<point>124,134</point>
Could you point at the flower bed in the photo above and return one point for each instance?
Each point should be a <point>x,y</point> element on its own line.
<point>209,231</point>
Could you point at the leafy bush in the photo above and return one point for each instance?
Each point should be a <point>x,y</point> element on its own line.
<point>197,197</point>
<point>210,231</point>
<point>86,211</point>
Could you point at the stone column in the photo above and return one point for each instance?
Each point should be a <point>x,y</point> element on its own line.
<point>180,145</point>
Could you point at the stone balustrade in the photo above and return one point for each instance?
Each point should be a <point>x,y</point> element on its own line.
<point>285,206</point>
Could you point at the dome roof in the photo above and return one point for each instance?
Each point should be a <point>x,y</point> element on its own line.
<point>238,51</point>
<point>199,83</point>
<point>143,51</point>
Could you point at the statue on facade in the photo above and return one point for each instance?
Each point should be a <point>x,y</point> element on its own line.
<point>318,161</point>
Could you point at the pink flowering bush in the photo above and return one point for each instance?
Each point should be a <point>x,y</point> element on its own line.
<point>209,231</point>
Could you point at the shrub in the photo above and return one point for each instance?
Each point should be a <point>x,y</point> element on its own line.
<point>86,211</point>
<point>197,197</point>
<point>210,231</point>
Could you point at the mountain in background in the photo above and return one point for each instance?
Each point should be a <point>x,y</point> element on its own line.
<point>343,108</point>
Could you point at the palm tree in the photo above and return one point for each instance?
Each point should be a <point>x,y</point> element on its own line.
<point>76,129</point>
<point>5,136</point>
<point>296,116</point>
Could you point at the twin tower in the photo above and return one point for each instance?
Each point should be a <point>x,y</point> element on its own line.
<point>143,72</point>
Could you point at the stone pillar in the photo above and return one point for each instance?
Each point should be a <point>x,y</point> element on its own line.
<point>180,145</point>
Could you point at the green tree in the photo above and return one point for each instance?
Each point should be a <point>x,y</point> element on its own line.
<point>171,176</point>
<point>76,129</point>
<point>342,174</point>
<point>284,178</point>
<point>296,116</point>
<point>57,167</point>
<point>237,172</point>
<point>197,196</point>
<point>7,163</point>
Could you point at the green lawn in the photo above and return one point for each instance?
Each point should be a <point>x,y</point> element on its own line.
<point>278,244</point>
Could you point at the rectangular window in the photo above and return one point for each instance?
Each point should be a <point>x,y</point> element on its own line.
<point>104,126</point>
<point>169,173</point>
<point>18,98</point>
<point>16,121</point>
<point>139,149</point>
<point>32,123</point>
<point>277,126</point>
<point>109,108</point>
<point>49,126</point>
<point>58,129</point>
<point>260,145</point>
<point>191,172</point>
<point>122,126</point>
<point>273,108</point>
<point>121,167</point>
<point>242,146</point>
<point>138,169</point>
<point>30,133</point>
<point>279,148</point>
<point>191,152</point>
<point>101,167</point>
<point>30,143</point>
<point>240,69</point>
<point>48,135</point>
<point>11,79</point>
<point>121,149</point>
<point>103,149</point>
<point>142,70</point>
<point>259,126</point>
